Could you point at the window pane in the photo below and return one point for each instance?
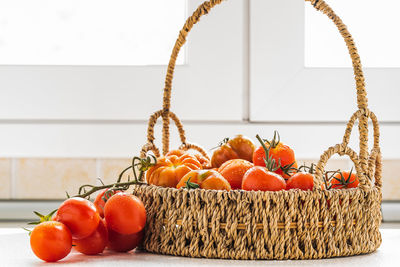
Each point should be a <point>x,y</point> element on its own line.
<point>89,32</point>
<point>373,24</point>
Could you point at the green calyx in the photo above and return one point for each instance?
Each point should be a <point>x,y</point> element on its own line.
<point>190,185</point>
<point>275,140</point>
<point>42,218</point>
<point>344,182</point>
<point>270,163</point>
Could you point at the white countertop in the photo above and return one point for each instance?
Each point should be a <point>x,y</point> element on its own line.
<point>15,251</point>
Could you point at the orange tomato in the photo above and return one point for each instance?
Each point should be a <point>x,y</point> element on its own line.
<point>205,179</point>
<point>243,146</point>
<point>259,178</point>
<point>170,169</point>
<point>51,241</point>
<point>233,171</point>
<point>239,147</point>
<point>279,152</point>
<point>345,180</point>
<point>222,154</point>
<point>205,163</point>
<point>301,180</point>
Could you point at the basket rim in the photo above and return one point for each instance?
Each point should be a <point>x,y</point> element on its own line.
<point>241,192</point>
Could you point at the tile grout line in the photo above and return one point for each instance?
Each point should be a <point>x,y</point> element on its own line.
<point>13,177</point>
<point>98,170</point>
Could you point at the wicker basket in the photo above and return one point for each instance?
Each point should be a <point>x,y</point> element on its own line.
<point>268,225</point>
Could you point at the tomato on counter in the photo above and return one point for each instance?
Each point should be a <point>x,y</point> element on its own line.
<point>51,241</point>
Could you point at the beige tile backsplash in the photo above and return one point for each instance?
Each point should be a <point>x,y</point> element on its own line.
<point>5,178</point>
<point>391,180</point>
<point>50,178</point>
<point>110,169</point>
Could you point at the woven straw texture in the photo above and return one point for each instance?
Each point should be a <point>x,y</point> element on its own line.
<point>291,224</point>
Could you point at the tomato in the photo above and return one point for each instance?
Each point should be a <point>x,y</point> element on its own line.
<point>343,180</point>
<point>205,179</point>
<point>239,147</point>
<point>95,243</point>
<point>125,213</point>
<point>280,153</point>
<point>205,163</point>
<point>216,182</point>
<point>243,146</point>
<point>51,241</point>
<point>233,171</point>
<point>123,243</point>
<point>79,215</point>
<point>171,168</point>
<point>259,178</point>
<point>301,180</point>
<point>99,202</point>
<point>222,154</point>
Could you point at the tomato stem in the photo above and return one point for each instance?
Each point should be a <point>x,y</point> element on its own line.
<point>270,163</point>
<point>140,164</point>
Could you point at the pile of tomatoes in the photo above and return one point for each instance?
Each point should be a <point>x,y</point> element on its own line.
<point>236,164</point>
<point>115,220</point>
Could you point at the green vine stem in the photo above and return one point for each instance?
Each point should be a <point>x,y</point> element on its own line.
<point>141,164</point>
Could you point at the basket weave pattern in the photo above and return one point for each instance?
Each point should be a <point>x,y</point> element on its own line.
<point>291,224</point>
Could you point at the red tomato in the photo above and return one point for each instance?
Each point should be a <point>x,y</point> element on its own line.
<point>259,178</point>
<point>99,201</point>
<point>123,243</point>
<point>233,171</point>
<point>79,215</point>
<point>51,241</point>
<point>279,152</point>
<point>301,180</point>
<point>125,213</point>
<point>345,180</point>
<point>95,243</point>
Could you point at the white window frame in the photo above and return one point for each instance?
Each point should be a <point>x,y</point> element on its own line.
<point>63,93</point>
<point>278,76</point>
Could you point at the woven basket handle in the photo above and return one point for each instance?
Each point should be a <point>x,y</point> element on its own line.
<point>319,5</point>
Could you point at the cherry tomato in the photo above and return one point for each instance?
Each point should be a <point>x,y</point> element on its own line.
<point>51,241</point>
<point>233,171</point>
<point>301,180</point>
<point>123,243</point>
<point>125,213</point>
<point>99,202</point>
<point>95,243</point>
<point>345,180</point>
<point>279,152</point>
<point>79,215</point>
<point>259,178</point>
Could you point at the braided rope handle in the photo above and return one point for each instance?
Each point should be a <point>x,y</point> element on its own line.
<point>362,161</point>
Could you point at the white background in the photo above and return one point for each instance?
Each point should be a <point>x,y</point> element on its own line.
<point>244,71</point>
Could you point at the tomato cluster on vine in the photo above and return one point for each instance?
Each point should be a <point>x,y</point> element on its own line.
<point>115,220</point>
